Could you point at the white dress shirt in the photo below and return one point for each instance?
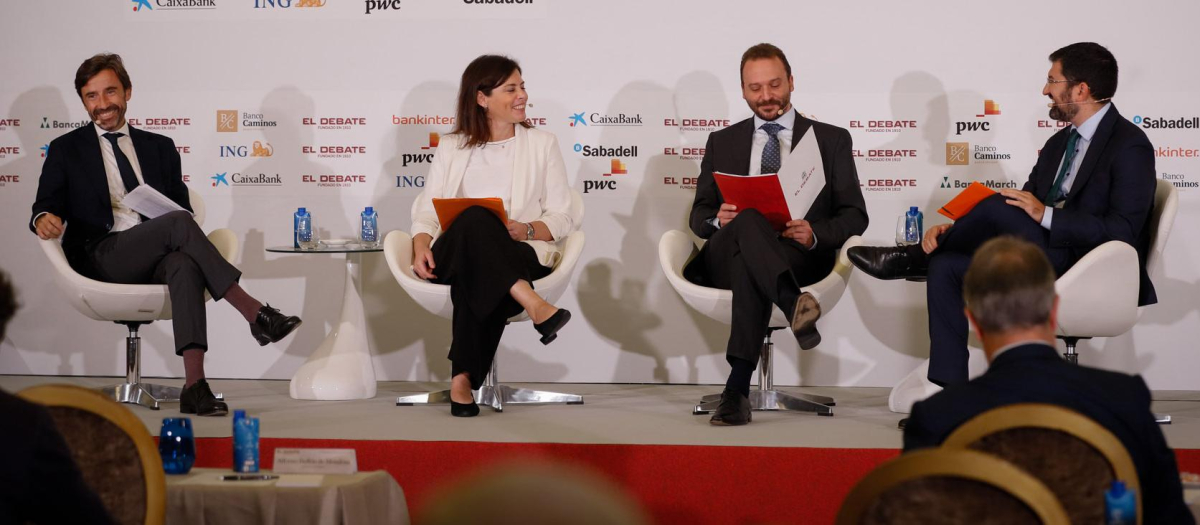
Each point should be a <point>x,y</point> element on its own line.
<point>490,172</point>
<point>123,217</point>
<point>1087,130</point>
<point>788,121</point>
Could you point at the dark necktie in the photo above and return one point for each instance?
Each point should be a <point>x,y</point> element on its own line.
<point>1056,190</point>
<point>123,164</point>
<point>770,154</point>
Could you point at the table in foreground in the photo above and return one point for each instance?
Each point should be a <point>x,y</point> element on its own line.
<point>201,497</point>
<point>341,367</point>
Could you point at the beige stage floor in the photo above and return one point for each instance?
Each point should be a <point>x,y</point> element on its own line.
<point>612,414</point>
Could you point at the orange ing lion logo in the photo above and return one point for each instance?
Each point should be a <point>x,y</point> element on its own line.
<point>310,3</point>
<point>260,151</point>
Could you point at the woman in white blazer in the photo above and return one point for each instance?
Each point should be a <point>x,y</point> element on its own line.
<point>489,264</point>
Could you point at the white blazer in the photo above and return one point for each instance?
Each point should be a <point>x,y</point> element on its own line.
<point>539,188</point>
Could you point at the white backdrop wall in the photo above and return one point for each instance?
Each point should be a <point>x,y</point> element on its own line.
<point>931,65</point>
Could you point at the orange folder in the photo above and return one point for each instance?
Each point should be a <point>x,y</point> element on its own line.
<point>966,201</point>
<point>762,193</point>
<point>448,209</point>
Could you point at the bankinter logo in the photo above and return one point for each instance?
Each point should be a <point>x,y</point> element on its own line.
<point>990,107</point>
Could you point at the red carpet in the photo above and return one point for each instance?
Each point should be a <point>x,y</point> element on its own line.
<point>676,484</point>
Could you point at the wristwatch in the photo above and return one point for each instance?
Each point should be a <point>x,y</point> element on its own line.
<point>529,231</point>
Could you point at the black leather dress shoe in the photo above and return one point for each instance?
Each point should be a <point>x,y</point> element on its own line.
<point>903,423</point>
<point>270,326</point>
<point>550,327</point>
<point>733,410</point>
<point>464,409</point>
<point>804,321</point>
<point>885,262</point>
<point>199,399</point>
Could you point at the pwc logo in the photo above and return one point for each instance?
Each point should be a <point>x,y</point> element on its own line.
<point>434,138</point>
<point>616,167</point>
<point>990,107</point>
<point>382,5</point>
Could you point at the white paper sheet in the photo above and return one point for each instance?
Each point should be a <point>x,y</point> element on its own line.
<point>149,202</point>
<point>802,175</point>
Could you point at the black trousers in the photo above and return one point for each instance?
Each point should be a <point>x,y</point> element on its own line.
<point>168,250</point>
<point>749,257</point>
<point>481,263</point>
<point>948,326</point>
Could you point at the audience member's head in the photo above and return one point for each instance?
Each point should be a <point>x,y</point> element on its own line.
<point>1009,288</point>
<point>8,302</point>
<point>533,494</point>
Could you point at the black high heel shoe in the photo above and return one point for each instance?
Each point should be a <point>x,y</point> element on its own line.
<point>464,409</point>
<point>550,327</point>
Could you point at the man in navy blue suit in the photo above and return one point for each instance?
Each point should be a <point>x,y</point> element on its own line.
<point>80,195</point>
<point>1010,300</point>
<point>1093,183</point>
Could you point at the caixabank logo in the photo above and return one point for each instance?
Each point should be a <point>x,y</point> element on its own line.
<point>160,123</point>
<point>884,155</point>
<point>333,180</point>
<point>696,123</point>
<point>334,151</point>
<point>334,123</point>
<point>607,183</point>
<point>240,180</point>
<point>981,123</point>
<point>1149,122</point>
<point>6,123</point>
<point>959,184</point>
<point>584,118</point>
<point>140,6</point>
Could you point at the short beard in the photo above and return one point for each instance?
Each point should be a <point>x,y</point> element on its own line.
<point>1064,113</point>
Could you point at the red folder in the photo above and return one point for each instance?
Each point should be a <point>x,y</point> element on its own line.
<point>762,193</point>
<point>966,201</point>
<point>448,209</point>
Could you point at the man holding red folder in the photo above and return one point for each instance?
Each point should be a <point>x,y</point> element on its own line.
<point>744,253</point>
<point>1093,182</point>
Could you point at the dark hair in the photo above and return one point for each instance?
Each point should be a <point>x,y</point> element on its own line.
<point>484,74</point>
<point>1009,285</point>
<point>93,66</point>
<point>761,51</point>
<point>8,302</point>
<point>1090,63</point>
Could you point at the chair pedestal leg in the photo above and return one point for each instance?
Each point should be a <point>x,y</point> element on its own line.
<point>133,390</point>
<point>765,397</point>
<point>495,395</point>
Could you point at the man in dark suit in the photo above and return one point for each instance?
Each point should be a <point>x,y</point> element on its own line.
<point>1093,183</point>
<point>39,482</point>
<point>1010,300</point>
<point>86,175</point>
<point>744,253</point>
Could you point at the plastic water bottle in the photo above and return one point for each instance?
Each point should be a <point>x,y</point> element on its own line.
<point>914,224</point>
<point>370,228</point>
<point>305,239</point>
<point>1120,508</point>
<point>245,442</point>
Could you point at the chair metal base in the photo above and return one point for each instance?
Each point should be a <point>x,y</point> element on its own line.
<point>764,400</point>
<point>144,394</point>
<point>495,395</point>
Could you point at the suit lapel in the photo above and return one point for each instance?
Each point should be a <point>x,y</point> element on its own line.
<point>93,162</point>
<point>147,161</point>
<point>743,140</point>
<point>521,169</point>
<point>799,129</point>
<point>1095,150</point>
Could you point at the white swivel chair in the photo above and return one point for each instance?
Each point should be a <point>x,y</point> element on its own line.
<point>132,305</point>
<point>676,248</point>
<point>397,249</point>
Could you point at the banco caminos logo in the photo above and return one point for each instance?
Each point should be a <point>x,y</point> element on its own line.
<point>990,107</point>
<point>957,153</point>
<point>1167,123</point>
<point>1179,180</point>
<point>883,125</point>
<point>227,120</point>
<point>374,6</point>
<point>434,138</point>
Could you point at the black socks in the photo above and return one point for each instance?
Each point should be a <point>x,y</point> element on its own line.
<point>739,377</point>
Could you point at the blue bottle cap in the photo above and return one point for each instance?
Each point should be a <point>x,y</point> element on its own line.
<point>1118,489</point>
<point>370,209</point>
<point>301,211</point>
<point>912,209</point>
<point>238,414</point>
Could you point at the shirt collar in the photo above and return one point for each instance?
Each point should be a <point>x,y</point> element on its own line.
<point>787,120</point>
<point>1008,347</point>
<point>123,129</point>
<point>1088,128</point>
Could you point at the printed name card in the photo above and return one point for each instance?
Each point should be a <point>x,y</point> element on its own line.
<point>315,461</point>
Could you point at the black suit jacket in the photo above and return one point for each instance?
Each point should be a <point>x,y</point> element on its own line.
<point>1035,373</point>
<point>39,482</point>
<point>1111,197</point>
<point>74,185</point>
<point>839,211</point>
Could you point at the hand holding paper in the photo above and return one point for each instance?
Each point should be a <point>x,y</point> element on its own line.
<point>149,202</point>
